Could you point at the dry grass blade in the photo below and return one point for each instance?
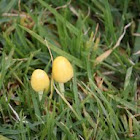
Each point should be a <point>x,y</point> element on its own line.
<point>103,56</point>
<point>99,81</point>
<point>136,34</point>
<point>15,113</point>
<point>64,6</point>
<point>137,53</point>
<point>130,127</point>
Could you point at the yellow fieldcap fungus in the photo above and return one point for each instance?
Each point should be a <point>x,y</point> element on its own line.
<point>62,70</point>
<point>40,80</point>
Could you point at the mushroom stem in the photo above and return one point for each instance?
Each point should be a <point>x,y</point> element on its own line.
<point>40,93</point>
<point>62,89</point>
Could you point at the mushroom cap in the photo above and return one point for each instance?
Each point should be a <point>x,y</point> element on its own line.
<point>62,70</point>
<point>40,80</point>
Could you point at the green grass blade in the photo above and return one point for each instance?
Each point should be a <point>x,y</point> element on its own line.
<point>54,48</point>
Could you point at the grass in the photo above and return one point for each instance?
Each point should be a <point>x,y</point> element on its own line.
<point>100,39</point>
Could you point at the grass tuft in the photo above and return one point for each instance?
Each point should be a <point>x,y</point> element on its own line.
<point>100,39</point>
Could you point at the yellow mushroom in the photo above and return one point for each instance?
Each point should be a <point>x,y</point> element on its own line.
<point>62,71</point>
<point>40,81</point>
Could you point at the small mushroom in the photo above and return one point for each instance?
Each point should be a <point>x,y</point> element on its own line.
<point>40,81</point>
<point>62,71</point>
